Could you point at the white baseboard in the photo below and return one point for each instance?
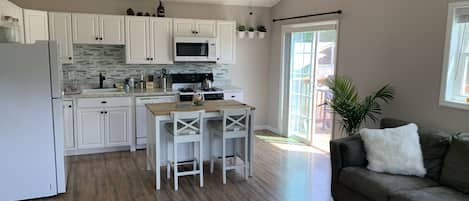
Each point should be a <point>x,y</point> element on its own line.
<point>96,150</point>
<point>267,127</point>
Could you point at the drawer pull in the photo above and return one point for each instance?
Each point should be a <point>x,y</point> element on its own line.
<point>233,96</point>
<point>103,102</point>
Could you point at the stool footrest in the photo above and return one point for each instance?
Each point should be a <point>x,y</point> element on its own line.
<point>188,162</point>
<point>185,173</point>
<point>235,167</point>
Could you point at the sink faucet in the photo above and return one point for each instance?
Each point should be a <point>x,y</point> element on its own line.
<point>101,80</point>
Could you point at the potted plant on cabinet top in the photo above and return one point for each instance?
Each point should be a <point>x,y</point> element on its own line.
<point>262,30</point>
<point>241,31</point>
<point>251,32</point>
<point>352,109</point>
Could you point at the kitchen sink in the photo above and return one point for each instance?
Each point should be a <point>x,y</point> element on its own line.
<point>103,91</point>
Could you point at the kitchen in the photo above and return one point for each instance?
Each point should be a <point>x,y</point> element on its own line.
<point>115,64</point>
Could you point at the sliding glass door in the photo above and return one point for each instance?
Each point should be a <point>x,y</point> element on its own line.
<point>301,84</point>
<point>310,56</point>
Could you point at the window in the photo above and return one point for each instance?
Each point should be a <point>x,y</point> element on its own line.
<point>455,82</point>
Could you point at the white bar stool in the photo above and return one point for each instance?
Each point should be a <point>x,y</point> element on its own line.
<point>234,125</point>
<point>188,129</point>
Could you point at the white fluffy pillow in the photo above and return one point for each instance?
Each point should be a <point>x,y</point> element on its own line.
<point>394,150</point>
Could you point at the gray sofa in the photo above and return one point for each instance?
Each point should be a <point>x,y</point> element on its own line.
<point>446,158</point>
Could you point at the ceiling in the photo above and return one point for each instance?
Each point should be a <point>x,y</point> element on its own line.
<point>255,3</point>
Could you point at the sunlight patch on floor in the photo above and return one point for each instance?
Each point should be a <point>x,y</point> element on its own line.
<point>287,144</point>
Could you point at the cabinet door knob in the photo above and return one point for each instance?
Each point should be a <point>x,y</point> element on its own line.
<point>151,59</point>
<point>101,38</point>
<point>69,106</point>
<point>103,102</point>
<point>102,112</point>
<point>69,58</point>
<point>97,38</point>
<point>105,112</point>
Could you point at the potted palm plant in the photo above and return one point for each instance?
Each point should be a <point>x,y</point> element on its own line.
<point>261,30</point>
<point>352,109</point>
<point>251,32</point>
<point>241,31</point>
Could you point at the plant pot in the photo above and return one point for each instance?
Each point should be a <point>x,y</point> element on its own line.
<point>251,35</point>
<point>261,35</point>
<point>241,34</point>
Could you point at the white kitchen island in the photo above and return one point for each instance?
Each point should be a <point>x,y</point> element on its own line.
<point>159,114</point>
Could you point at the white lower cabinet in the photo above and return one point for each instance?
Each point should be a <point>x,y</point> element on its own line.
<point>234,94</point>
<point>103,122</point>
<point>90,128</point>
<point>69,137</point>
<point>117,126</point>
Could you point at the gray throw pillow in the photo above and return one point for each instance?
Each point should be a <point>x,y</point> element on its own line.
<point>435,145</point>
<point>455,171</point>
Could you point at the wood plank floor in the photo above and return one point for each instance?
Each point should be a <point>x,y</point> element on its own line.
<point>284,170</point>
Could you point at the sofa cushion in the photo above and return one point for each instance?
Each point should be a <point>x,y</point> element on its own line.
<point>439,193</point>
<point>455,172</point>
<point>392,123</point>
<point>434,144</point>
<point>378,186</point>
<point>353,152</point>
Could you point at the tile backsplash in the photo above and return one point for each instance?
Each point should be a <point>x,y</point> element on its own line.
<point>90,60</point>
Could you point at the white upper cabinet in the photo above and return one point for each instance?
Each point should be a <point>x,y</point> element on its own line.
<point>112,29</point>
<point>206,28</point>
<point>11,10</point>
<point>60,30</point>
<point>137,50</point>
<point>226,51</point>
<point>149,40</point>
<point>184,27</point>
<point>195,28</point>
<point>85,28</point>
<point>97,29</point>
<point>161,37</point>
<point>35,25</point>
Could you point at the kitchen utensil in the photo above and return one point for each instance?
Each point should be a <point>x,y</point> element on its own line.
<point>207,84</point>
<point>198,99</point>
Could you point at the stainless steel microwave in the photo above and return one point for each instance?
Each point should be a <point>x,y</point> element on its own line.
<point>195,49</point>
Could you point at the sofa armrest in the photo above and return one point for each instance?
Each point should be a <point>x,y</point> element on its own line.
<point>346,152</point>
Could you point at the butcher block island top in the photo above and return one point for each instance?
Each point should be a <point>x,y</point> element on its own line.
<point>161,109</point>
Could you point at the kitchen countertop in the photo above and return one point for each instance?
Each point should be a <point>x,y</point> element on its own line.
<point>137,93</point>
<point>209,106</point>
<point>132,93</point>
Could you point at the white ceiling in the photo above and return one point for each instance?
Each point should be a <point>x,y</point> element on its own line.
<point>255,3</point>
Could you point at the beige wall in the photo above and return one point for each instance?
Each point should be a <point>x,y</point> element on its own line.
<point>382,41</point>
<point>251,69</point>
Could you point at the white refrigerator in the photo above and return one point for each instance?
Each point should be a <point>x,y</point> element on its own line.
<point>32,161</point>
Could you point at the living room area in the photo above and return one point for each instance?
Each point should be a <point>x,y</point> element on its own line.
<point>281,100</point>
<point>402,72</point>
